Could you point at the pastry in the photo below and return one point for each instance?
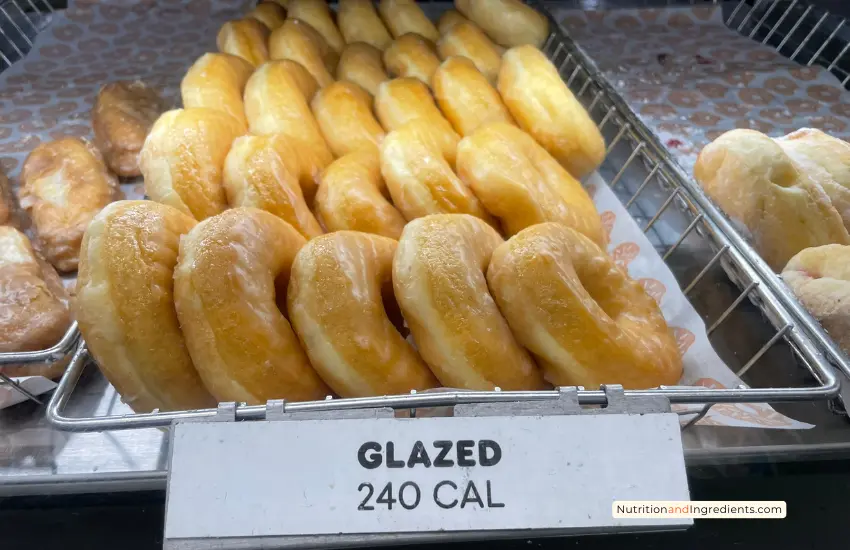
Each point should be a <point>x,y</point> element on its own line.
<point>508,22</point>
<point>64,183</point>
<point>269,14</point>
<point>411,55</point>
<point>586,322</point>
<point>466,97</point>
<point>246,38</point>
<point>336,298</point>
<point>353,196</point>
<point>541,103</point>
<point>521,184</point>
<point>449,19</point>
<point>217,81</point>
<point>780,203</point>
<point>33,303</point>
<point>403,100</point>
<point>303,79</point>
<point>122,115</point>
<point>466,39</point>
<point>275,105</point>
<point>438,278</point>
<point>8,205</point>
<point>420,180</point>
<point>820,278</point>
<point>229,283</point>
<point>362,64</point>
<point>124,305</point>
<point>317,14</point>
<point>344,113</point>
<point>262,172</point>
<point>815,151</point>
<point>404,16</point>
<point>359,22</point>
<point>299,42</point>
<point>183,160</point>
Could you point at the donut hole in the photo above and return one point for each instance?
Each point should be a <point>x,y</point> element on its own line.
<point>392,309</point>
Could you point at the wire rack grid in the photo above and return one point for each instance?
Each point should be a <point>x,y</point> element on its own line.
<point>676,217</point>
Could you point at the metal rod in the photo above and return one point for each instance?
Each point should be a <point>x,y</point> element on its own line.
<point>794,28</point>
<point>596,98</point>
<point>708,266</point>
<point>661,210</point>
<point>643,185</point>
<point>827,41</point>
<point>683,236</point>
<point>28,20</point>
<point>604,121</point>
<point>778,23</point>
<point>809,36</point>
<point>573,75</point>
<point>699,416</point>
<point>17,28</point>
<point>57,352</point>
<point>587,83</point>
<point>629,160</point>
<point>839,56</point>
<point>565,63</point>
<point>15,385</point>
<point>749,14</point>
<point>623,129</point>
<point>763,350</point>
<point>763,17</point>
<point>741,297</point>
<point>740,5</point>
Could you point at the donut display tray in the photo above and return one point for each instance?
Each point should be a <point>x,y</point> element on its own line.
<point>748,319</point>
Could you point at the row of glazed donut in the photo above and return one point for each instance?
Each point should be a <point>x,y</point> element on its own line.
<point>181,314</point>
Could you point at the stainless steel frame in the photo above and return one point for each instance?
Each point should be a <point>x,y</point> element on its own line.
<point>641,171</point>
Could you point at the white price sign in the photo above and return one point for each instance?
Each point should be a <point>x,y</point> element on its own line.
<point>300,478</point>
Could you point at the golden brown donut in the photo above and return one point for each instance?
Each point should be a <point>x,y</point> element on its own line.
<point>521,184</point>
<point>317,14</point>
<point>246,38</point>
<point>362,64</point>
<point>64,183</point>
<point>33,303</point>
<point>183,159</point>
<point>780,203</point>
<point>467,40</point>
<point>438,278</point>
<point>122,115</point>
<point>820,278</point>
<point>262,171</point>
<point>269,14</point>
<point>217,81</point>
<point>466,97</point>
<point>344,113</point>
<point>586,322</point>
<point>544,106</point>
<point>359,22</point>
<point>353,196</point>
<point>275,105</point>
<point>124,305</point>
<point>336,305</point>
<point>299,42</point>
<point>508,22</point>
<point>449,19</point>
<point>404,16</point>
<point>403,100</point>
<point>420,180</point>
<point>230,277</point>
<point>303,79</point>
<point>412,55</point>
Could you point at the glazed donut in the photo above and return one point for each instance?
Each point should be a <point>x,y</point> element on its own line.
<point>541,103</point>
<point>508,22</point>
<point>217,81</point>
<point>420,180</point>
<point>820,278</point>
<point>586,322</point>
<point>404,16</point>
<point>359,22</point>
<point>411,55</point>
<point>353,196</point>
<point>303,79</point>
<point>449,19</point>
<point>521,184</point>
<point>466,97</point>
<point>362,64</point>
<point>269,14</point>
<point>466,39</point>
<point>262,172</point>
<point>438,278</point>
<point>180,142</point>
<point>246,38</point>
<point>317,14</point>
<point>344,113</point>
<point>64,183</point>
<point>230,270</point>
<point>275,105</point>
<point>299,42</point>
<point>403,100</point>
<point>335,301</point>
<point>125,309</point>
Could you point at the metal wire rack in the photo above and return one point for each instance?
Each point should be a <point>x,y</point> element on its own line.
<point>681,223</point>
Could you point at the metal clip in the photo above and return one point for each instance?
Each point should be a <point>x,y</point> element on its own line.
<point>225,412</point>
<point>275,409</point>
<point>618,403</point>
